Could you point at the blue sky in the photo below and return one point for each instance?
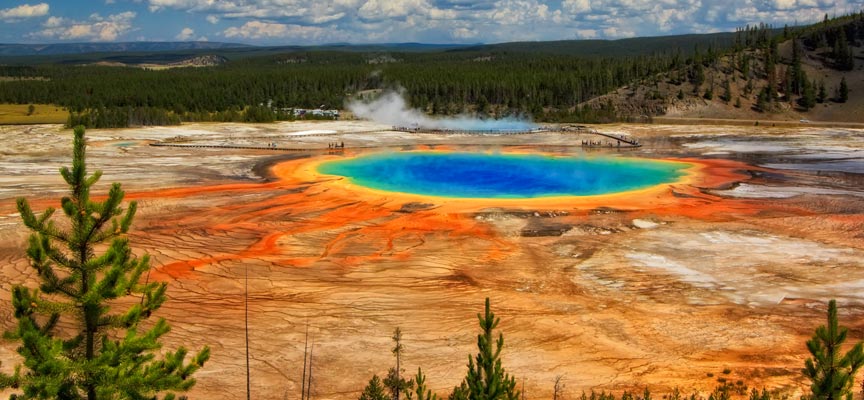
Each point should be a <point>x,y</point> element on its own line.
<point>284,22</point>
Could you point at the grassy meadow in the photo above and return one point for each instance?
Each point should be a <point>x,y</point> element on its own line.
<point>16,114</point>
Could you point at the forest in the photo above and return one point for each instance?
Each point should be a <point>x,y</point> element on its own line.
<point>499,80</point>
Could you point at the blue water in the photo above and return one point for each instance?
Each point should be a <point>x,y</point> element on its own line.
<point>481,175</point>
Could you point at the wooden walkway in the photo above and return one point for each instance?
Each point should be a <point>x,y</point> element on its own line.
<point>630,141</point>
<point>469,132</point>
<point>221,146</point>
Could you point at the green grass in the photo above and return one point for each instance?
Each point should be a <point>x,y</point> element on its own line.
<point>16,114</point>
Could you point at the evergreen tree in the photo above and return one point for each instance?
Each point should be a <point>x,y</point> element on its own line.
<point>843,56</point>
<point>697,77</point>
<point>822,95</point>
<point>832,373</point>
<point>798,77</point>
<point>459,392</point>
<point>394,381</point>
<point>420,390</point>
<point>787,85</point>
<point>108,357</point>
<point>486,379</point>
<point>763,100</point>
<point>843,92</point>
<point>808,96</point>
<point>726,96</point>
<point>374,390</point>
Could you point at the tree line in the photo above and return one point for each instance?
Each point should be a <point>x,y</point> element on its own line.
<point>497,83</point>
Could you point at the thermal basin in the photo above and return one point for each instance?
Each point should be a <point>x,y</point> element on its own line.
<point>496,175</point>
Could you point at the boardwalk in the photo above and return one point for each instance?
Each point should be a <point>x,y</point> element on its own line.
<point>617,141</point>
<point>470,131</point>
<point>221,146</point>
<point>629,141</point>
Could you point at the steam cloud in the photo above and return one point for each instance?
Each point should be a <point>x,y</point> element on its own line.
<point>392,109</point>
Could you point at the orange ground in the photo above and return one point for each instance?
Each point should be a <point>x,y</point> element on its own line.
<point>709,283</point>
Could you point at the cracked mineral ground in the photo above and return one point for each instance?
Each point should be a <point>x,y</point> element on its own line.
<point>729,268</point>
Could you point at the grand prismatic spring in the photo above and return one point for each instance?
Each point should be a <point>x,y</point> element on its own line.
<point>473,175</point>
<point>723,261</point>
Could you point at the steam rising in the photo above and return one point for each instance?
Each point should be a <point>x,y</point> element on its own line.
<point>392,109</point>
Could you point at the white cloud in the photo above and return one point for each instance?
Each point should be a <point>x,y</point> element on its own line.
<point>518,12</point>
<point>464,33</point>
<point>185,34</point>
<point>321,19</point>
<point>586,33</point>
<point>97,28</point>
<point>257,30</point>
<point>389,9</point>
<point>784,4</point>
<point>24,11</point>
<point>576,6</point>
<point>289,32</point>
<point>490,20</point>
<point>613,32</point>
<point>53,22</point>
<point>156,5</point>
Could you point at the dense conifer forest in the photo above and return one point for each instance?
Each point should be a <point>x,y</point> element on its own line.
<point>499,80</point>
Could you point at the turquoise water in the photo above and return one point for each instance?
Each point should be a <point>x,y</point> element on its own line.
<point>482,175</point>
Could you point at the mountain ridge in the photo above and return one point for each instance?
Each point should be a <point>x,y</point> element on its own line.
<point>579,47</point>
<point>21,49</point>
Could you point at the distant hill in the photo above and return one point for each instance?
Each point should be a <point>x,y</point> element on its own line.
<point>612,48</point>
<point>169,52</point>
<point>122,47</point>
<point>131,53</point>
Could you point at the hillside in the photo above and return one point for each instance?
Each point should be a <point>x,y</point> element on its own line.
<point>698,89</point>
<point>7,50</point>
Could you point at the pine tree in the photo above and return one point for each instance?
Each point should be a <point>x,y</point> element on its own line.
<point>459,392</point>
<point>486,379</point>
<point>822,94</point>
<point>727,92</point>
<point>843,56</point>
<point>374,390</point>
<point>394,381</point>
<point>832,374</point>
<point>420,390</point>
<point>808,96</point>
<point>843,92</point>
<point>558,389</point>
<point>108,357</point>
<point>763,100</point>
<point>697,77</point>
<point>798,78</point>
